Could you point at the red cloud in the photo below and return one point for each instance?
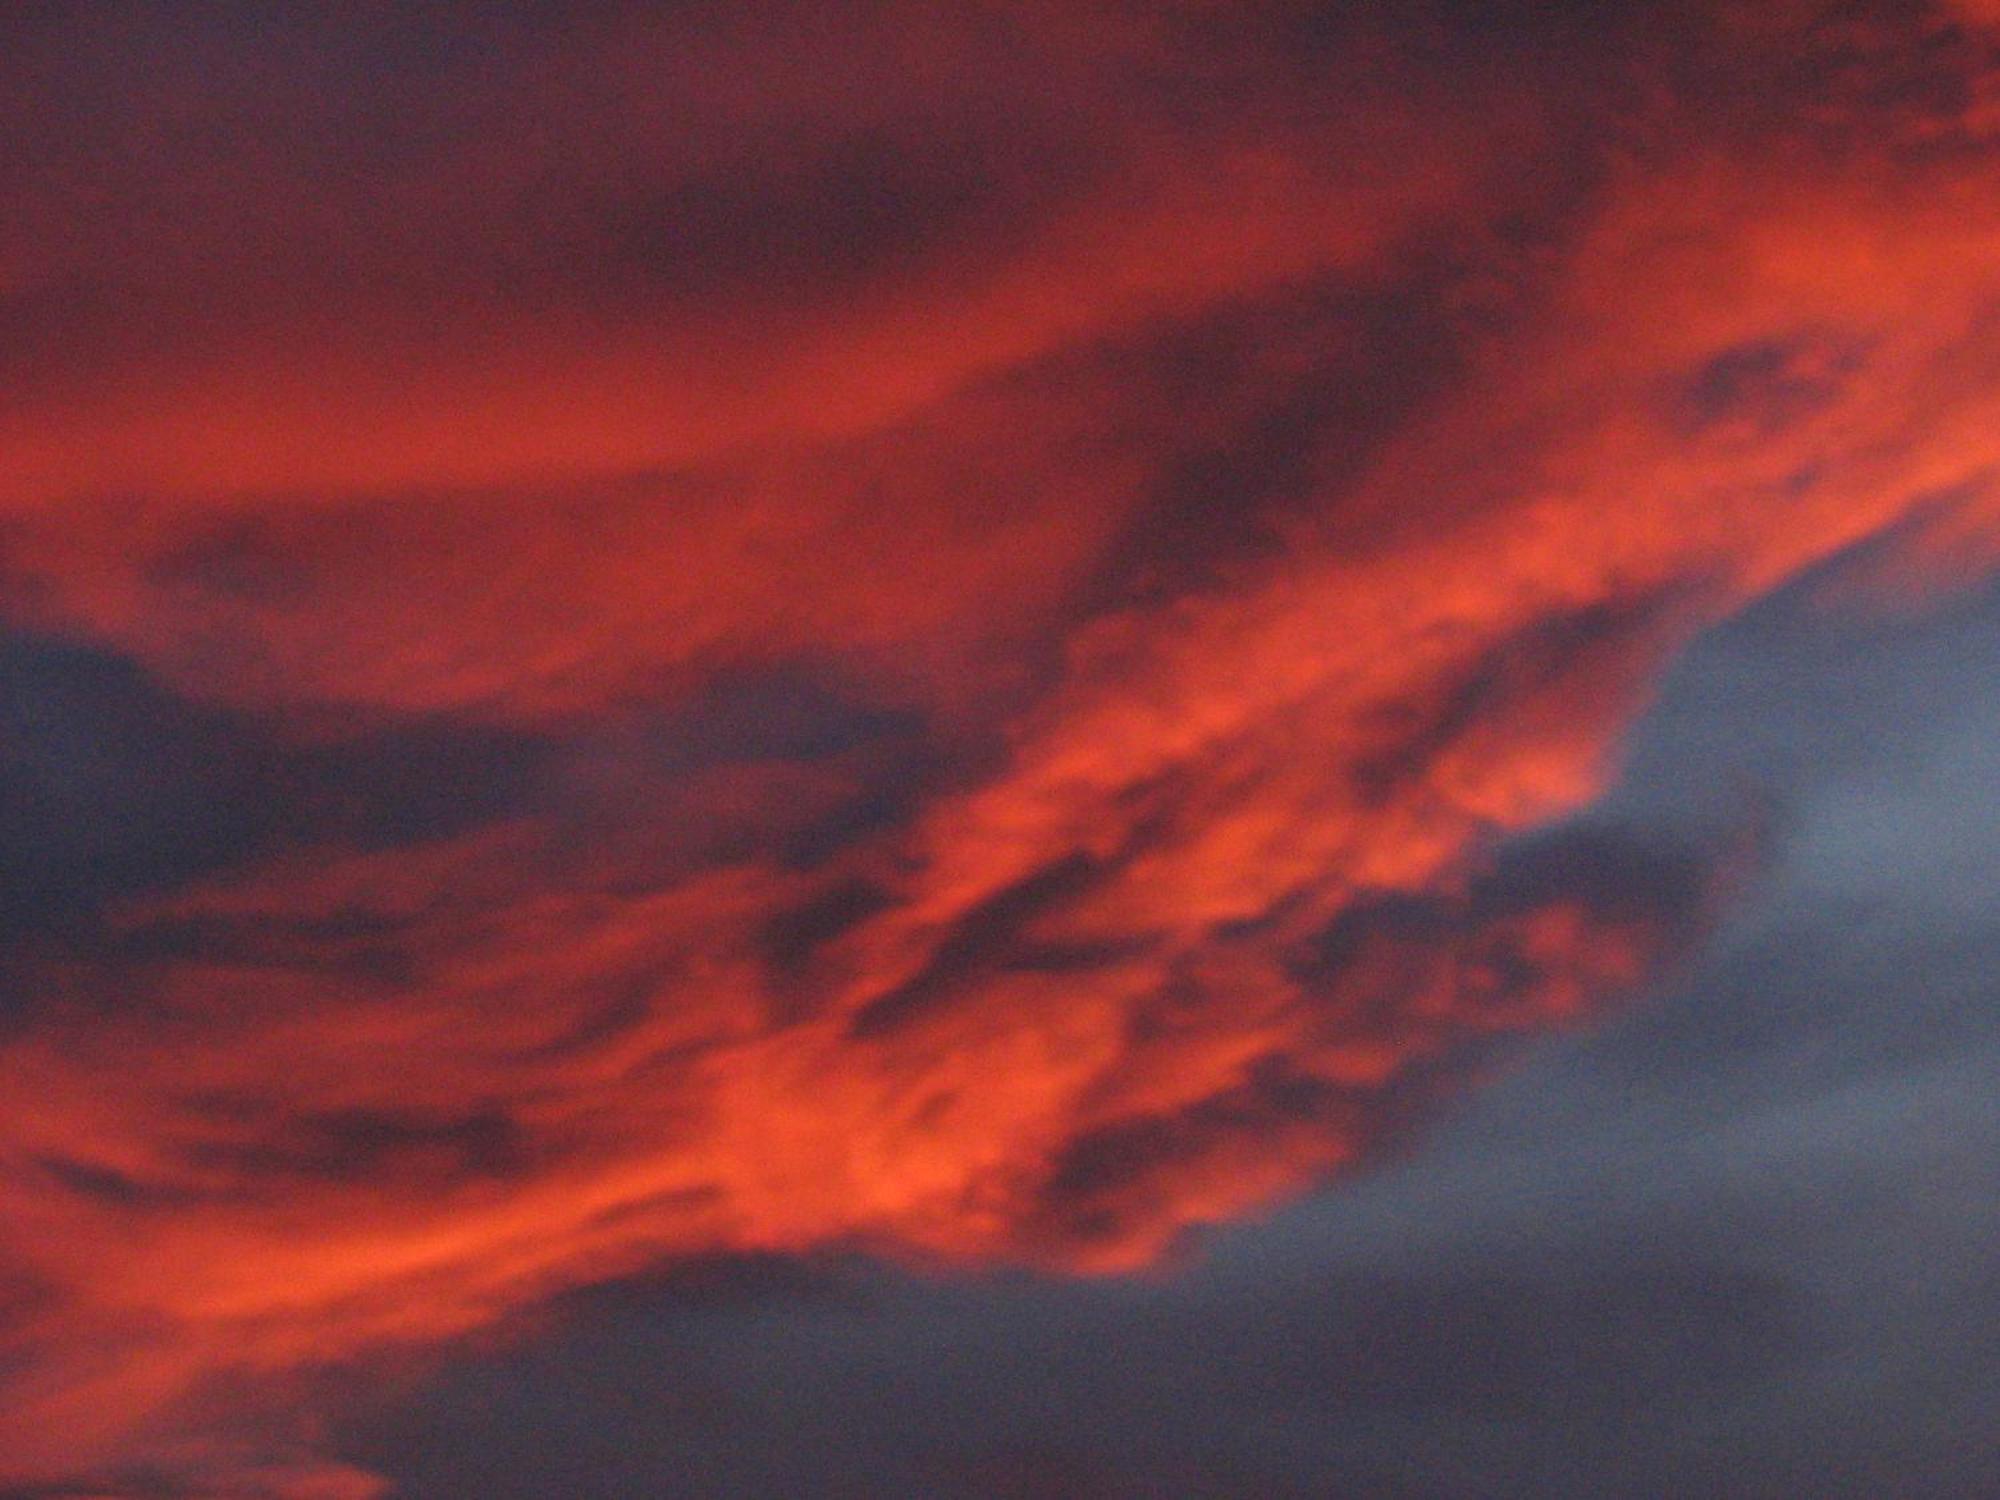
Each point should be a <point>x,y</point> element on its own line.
<point>1229,667</point>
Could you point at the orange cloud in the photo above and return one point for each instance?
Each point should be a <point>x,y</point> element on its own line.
<point>1246,533</point>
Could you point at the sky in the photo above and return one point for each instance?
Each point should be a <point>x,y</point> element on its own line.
<point>1035,750</point>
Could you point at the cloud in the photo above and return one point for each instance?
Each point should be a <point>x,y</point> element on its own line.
<point>1736,1237</point>
<point>684,636</point>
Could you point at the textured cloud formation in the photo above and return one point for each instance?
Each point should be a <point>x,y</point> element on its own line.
<point>632,634</point>
<point>1737,1242</point>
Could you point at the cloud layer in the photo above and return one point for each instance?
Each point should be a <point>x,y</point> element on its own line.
<point>640,635</point>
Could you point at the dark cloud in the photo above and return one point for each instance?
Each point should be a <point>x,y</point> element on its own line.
<point>359,1144</point>
<point>790,937</point>
<point>112,786</point>
<point>991,934</point>
<point>1278,402</point>
<point>115,783</point>
<point>1761,387</point>
<point>865,208</point>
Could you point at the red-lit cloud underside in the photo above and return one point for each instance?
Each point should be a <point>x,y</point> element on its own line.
<point>698,633</point>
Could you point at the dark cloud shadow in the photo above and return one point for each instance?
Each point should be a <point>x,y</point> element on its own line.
<point>113,785</point>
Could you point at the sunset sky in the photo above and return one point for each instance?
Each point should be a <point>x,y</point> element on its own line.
<point>1008,750</point>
